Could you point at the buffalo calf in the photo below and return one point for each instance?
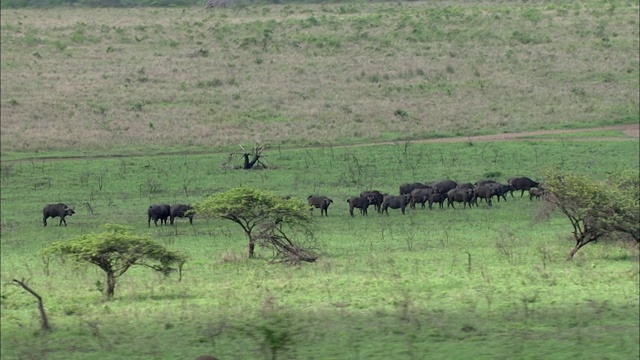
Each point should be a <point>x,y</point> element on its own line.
<point>438,198</point>
<point>536,193</point>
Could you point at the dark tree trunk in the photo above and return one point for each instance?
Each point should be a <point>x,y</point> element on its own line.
<point>246,161</point>
<point>249,164</point>
<point>574,251</point>
<point>252,245</point>
<point>111,285</point>
<point>581,240</point>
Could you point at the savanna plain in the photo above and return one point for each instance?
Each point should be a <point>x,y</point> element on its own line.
<point>112,110</point>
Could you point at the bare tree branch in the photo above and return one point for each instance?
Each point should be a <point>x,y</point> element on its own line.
<point>43,315</point>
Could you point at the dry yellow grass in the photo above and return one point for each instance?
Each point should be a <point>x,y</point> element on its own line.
<point>105,79</point>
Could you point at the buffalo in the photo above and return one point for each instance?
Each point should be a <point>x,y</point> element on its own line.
<point>319,202</point>
<point>500,190</point>
<point>180,211</point>
<point>395,202</point>
<point>465,196</point>
<point>437,197</point>
<point>484,182</point>
<point>522,184</point>
<point>375,198</point>
<point>420,196</point>
<point>536,193</point>
<point>465,186</point>
<point>491,189</point>
<point>359,202</point>
<point>159,212</point>
<point>443,186</point>
<point>57,210</point>
<point>408,188</point>
<point>485,192</point>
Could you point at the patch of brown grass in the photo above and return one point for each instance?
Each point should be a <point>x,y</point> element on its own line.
<point>103,78</point>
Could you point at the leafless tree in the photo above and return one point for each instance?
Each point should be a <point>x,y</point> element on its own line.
<point>43,315</point>
<point>252,159</point>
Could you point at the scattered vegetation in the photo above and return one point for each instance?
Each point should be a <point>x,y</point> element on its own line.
<point>115,251</point>
<point>153,97</point>
<point>432,69</point>
<point>596,209</point>
<point>273,215</point>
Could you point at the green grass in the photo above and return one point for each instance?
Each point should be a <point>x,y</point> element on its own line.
<point>111,110</point>
<point>384,286</point>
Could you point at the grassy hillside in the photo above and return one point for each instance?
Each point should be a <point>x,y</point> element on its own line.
<point>123,80</point>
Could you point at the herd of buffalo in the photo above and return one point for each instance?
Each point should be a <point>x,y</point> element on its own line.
<point>433,192</point>
<point>156,212</point>
<point>410,195</point>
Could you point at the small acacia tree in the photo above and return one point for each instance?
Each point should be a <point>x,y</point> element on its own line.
<point>115,251</point>
<point>264,217</point>
<point>596,209</point>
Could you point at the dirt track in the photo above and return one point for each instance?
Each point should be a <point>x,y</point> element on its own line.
<point>631,130</point>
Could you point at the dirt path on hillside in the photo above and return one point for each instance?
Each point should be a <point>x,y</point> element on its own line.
<point>632,132</point>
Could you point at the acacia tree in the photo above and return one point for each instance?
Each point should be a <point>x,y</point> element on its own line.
<point>115,251</point>
<point>596,209</point>
<point>264,217</point>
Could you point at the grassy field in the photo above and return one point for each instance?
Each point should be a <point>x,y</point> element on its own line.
<point>130,80</point>
<point>491,282</point>
<point>111,110</point>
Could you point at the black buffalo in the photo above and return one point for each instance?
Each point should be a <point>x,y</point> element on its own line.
<point>465,196</point>
<point>319,202</point>
<point>465,186</point>
<point>408,188</point>
<point>159,212</point>
<point>360,202</point>
<point>437,198</point>
<point>395,202</point>
<point>443,186</point>
<point>485,192</point>
<point>484,182</point>
<point>57,210</point>
<point>500,190</point>
<point>522,184</point>
<point>420,196</point>
<point>180,211</point>
<point>375,198</point>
